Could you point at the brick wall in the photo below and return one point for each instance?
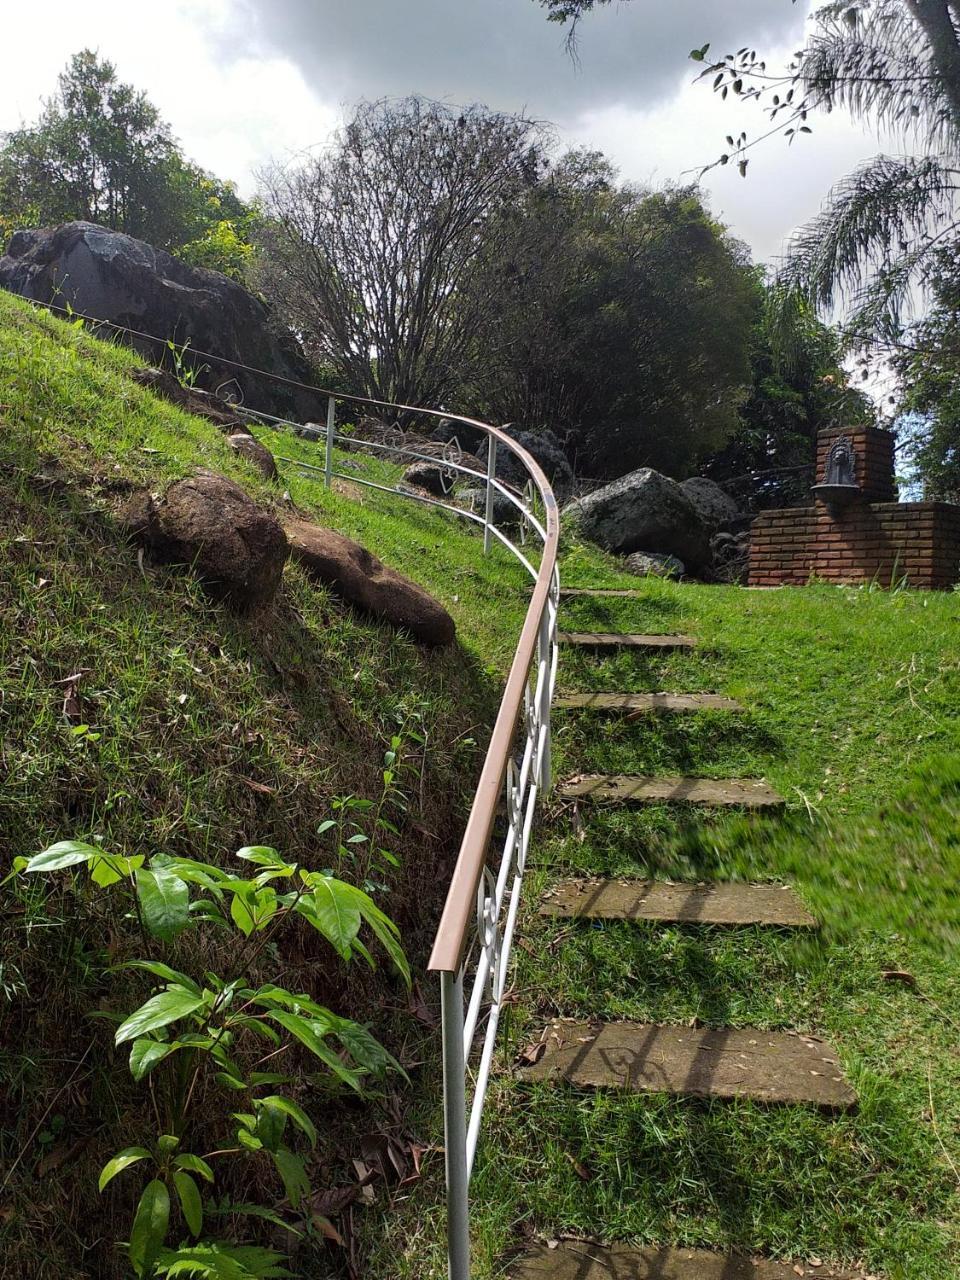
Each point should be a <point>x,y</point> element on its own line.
<point>886,541</point>
<point>873,452</point>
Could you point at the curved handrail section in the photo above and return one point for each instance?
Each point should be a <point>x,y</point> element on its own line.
<point>472,946</point>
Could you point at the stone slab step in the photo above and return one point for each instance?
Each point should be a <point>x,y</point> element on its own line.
<point>571,593</point>
<point>581,1260</point>
<point>745,793</point>
<point>623,640</point>
<point>640,702</point>
<point>720,904</point>
<point>704,1062</point>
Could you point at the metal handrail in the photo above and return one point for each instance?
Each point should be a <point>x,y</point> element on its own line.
<point>483,900</point>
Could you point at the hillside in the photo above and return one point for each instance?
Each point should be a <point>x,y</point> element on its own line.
<point>193,731</point>
<point>196,731</point>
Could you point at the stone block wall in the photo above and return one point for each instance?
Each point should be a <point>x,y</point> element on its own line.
<point>867,541</point>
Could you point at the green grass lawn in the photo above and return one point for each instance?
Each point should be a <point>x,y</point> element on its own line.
<point>850,701</point>
<point>207,730</point>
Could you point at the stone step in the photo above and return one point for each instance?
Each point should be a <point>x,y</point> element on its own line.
<point>745,793</point>
<point>571,593</point>
<point>720,904</point>
<point>581,1260</point>
<point>640,702</point>
<point>623,640</point>
<point>765,1066</point>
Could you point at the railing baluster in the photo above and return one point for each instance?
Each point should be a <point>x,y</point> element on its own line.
<point>455,1126</point>
<point>491,476</point>
<point>331,424</point>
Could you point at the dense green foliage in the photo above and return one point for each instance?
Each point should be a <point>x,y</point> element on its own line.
<point>619,317</point>
<point>100,152</point>
<point>795,393</point>
<point>929,372</point>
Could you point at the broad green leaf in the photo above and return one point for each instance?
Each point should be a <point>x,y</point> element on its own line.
<point>167,1143</point>
<point>163,971</point>
<point>67,853</point>
<point>160,1010</point>
<point>149,1227</point>
<point>292,1171</point>
<point>219,1261</point>
<point>365,1049</point>
<point>190,1201</point>
<point>268,1215</point>
<point>195,1165</point>
<point>164,901</point>
<point>122,1160</point>
<point>109,868</point>
<point>296,1114</point>
<point>326,825</point>
<point>242,911</point>
<point>386,931</point>
<point>312,1039</point>
<point>331,910</point>
<point>271,1122</point>
<point>145,1053</point>
<point>265,857</point>
<point>247,1139</point>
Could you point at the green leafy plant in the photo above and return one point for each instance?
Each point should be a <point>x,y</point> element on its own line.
<point>185,372</point>
<point>227,1028</point>
<point>363,828</point>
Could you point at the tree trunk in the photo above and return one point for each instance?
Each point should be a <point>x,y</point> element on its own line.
<point>935,17</point>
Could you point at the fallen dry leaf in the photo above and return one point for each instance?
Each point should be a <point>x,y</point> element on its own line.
<point>899,975</point>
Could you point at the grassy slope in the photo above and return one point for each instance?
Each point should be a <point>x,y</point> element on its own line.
<point>851,700</point>
<point>206,731</point>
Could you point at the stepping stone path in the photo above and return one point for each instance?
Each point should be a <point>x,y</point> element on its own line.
<point>729,904</point>
<point>782,1068</point>
<point>623,788</point>
<point>581,1260</point>
<point>699,1062</point>
<point>641,702</point>
<point>614,640</point>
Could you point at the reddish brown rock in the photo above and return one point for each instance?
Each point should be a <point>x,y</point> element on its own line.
<point>361,579</point>
<point>162,383</point>
<point>242,442</point>
<point>209,524</point>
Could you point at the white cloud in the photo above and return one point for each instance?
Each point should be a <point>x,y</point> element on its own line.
<point>244,81</point>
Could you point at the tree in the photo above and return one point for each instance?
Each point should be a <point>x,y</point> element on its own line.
<point>769,461</point>
<point>621,320</point>
<point>100,152</point>
<point>374,250</point>
<point>929,406</point>
<point>875,246</point>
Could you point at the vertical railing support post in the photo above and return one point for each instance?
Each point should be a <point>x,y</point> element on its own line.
<point>491,475</point>
<point>331,423</point>
<point>455,1126</point>
<point>545,659</point>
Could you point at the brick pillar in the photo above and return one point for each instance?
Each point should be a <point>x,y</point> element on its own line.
<point>873,453</point>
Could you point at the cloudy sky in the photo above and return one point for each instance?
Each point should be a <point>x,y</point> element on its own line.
<point>245,81</point>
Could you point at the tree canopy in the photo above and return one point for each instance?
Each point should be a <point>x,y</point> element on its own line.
<point>100,152</point>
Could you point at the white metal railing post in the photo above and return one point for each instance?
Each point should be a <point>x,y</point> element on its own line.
<point>491,476</point>
<point>455,1126</point>
<point>545,661</point>
<point>331,423</point>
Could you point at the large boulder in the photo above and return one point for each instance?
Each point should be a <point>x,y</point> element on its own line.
<point>643,511</point>
<point>244,444</point>
<point>714,507</point>
<point>212,526</point>
<point>650,564</point>
<point>362,580</point>
<point>544,447</point>
<point>114,277</point>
